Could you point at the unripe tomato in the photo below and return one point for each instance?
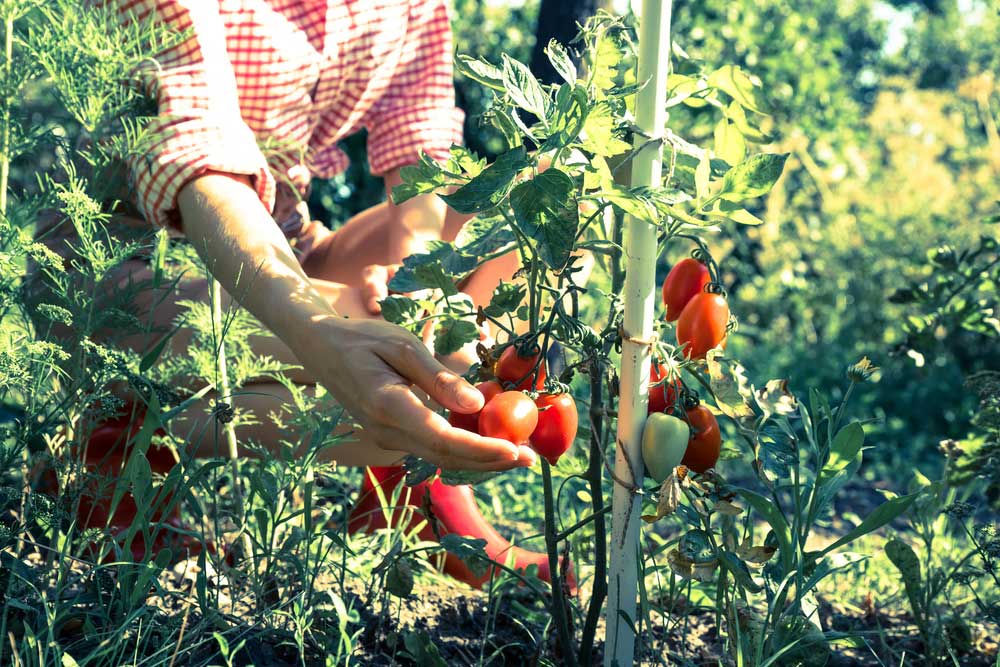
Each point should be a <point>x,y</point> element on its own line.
<point>557,423</point>
<point>664,442</point>
<point>687,279</point>
<point>512,367</point>
<point>470,422</point>
<point>511,415</point>
<point>702,324</point>
<point>706,440</point>
<point>662,396</point>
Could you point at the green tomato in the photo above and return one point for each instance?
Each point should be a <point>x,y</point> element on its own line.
<point>664,441</point>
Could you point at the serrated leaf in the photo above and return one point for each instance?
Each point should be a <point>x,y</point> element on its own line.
<point>483,236</point>
<point>464,161</point>
<point>631,203</point>
<point>488,188</point>
<point>433,276</point>
<point>729,142</point>
<point>479,70</point>
<point>561,62</point>
<point>523,87</point>
<point>599,132</point>
<point>737,84</point>
<point>506,299</point>
<point>451,334</point>
<point>547,213</point>
<point>752,177</point>
<point>423,177</point>
<point>730,386</point>
<point>400,309</point>
<point>567,116</point>
<point>471,551</point>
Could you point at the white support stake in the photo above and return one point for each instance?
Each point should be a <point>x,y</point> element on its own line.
<point>640,294</point>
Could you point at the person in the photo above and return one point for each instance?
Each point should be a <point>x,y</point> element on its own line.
<point>289,79</point>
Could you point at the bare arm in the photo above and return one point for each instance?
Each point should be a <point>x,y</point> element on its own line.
<point>368,365</point>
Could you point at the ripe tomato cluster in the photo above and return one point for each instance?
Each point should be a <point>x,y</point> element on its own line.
<point>548,423</point>
<point>702,316</point>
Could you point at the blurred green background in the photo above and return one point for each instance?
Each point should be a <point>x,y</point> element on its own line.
<point>890,113</point>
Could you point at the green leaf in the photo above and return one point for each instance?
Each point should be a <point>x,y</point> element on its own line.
<point>772,515</point>
<point>734,212</point>
<point>703,176</point>
<point>882,515</point>
<point>547,213</point>
<point>523,87</point>
<point>600,132</point>
<point>682,87</point>
<point>399,578</point>
<point>488,188</point>
<point>400,309</point>
<point>425,176</point>
<point>451,334</point>
<point>607,58</point>
<point>730,386</point>
<point>737,84</point>
<point>633,202</point>
<point>753,177</point>
<point>561,62</point>
<point>464,161</point>
<point>905,559</point>
<point>433,276</point>
<point>738,117</point>
<point>696,546</point>
<point>471,551</point>
<point>506,299</point>
<point>844,450</point>
<point>422,649</point>
<point>479,70</point>
<point>729,142</point>
<point>567,117</point>
<point>741,573</point>
<point>483,235</point>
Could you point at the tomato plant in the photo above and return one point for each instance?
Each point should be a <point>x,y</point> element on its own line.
<point>510,415</point>
<point>470,422</point>
<point>705,444</point>
<point>686,279</point>
<point>703,324</point>
<point>519,370</point>
<point>557,424</point>
<point>664,444</point>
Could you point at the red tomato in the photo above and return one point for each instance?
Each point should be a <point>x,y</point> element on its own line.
<point>686,280</point>
<point>663,396</point>
<point>557,423</point>
<point>470,422</point>
<point>702,324</point>
<point>706,440</point>
<point>512,367</point>
<point>511,416</point>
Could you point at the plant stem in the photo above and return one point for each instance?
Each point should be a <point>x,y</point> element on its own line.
<point>595,474</point>
<point>552,547</point>
<point>222,381</point>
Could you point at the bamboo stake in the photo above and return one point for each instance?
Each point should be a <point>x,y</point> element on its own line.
<point>640,248</point>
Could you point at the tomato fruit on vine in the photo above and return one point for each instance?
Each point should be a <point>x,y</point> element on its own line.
<point>511,415</point>
<point>470,422</point>
<point>702,324</point>
<point>664,441</point>
<point>557,424</point>
<point>686,280</point>
<point>662,396</point>
<point>705,444</point>
<point>512,367</point>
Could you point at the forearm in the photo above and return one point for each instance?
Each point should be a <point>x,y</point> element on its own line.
<point>249,256</point>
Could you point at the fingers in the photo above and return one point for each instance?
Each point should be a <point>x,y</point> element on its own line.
<point>375,285</point>
<point>413,361</point>
<point>430,436</point>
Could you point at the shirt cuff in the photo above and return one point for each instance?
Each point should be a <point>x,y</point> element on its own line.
<point>399,136</point>
<point>183,148</point>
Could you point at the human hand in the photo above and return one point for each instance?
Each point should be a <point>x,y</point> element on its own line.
<point>369,366</point>
<point>375,285</point>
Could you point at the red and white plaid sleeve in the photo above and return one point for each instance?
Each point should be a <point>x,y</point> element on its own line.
<point>198,127</point>
<point>417,112</point>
